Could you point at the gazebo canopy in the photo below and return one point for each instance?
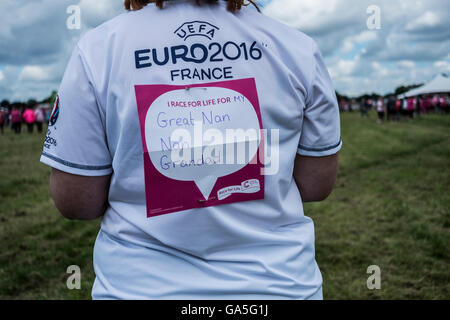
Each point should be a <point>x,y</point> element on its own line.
<point>440,84</point>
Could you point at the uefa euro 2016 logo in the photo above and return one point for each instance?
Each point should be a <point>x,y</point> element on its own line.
<point>196,28</point>
<point>55,113</point>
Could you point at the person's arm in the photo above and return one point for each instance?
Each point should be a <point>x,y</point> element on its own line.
<point>76,145</point>
<point>315,176</point>
<point>316,163</point>
<point>79,197</point>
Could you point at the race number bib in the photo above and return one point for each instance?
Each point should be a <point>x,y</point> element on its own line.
<point>202,145</point>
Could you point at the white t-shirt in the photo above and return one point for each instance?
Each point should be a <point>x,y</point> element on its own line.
<point>203,230</point>
<point>380,106</point>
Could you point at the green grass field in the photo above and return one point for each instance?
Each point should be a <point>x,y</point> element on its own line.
<point>391,208</point>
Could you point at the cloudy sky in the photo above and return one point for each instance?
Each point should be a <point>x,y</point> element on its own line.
<point>411,45</point>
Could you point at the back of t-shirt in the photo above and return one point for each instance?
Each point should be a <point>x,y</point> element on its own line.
<point>198,113</point>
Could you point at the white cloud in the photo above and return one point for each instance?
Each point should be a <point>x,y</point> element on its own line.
<point>380,70</point>
<point>428,19</point>
<point>33,73</point>
<point>408,64</point>
<point>95,12</point>
<point>36,44</point>
<point>443,66</point>
<point>361,60</point>
<point>363,37</point>
<point>411,46</point>
<point>343,68</point>
<point>301,14</point>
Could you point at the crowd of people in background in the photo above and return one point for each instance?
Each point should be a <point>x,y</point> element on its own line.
<point>392,108</point>
<point>15,116</point>
<point>389,108</point>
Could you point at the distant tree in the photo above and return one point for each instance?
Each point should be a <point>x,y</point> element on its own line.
<point>5,103</point>
<point>403,89</point>
<point>340,97</point>
<point>372,96</point>
<point>31,103</point>
<point>51,99</point>
<point>375,96</point>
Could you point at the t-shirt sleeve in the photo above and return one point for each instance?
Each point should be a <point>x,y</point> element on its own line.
<point>321,132</point>
<point>76,140</point>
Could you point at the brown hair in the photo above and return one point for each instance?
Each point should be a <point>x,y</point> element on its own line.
<point>233,5</point>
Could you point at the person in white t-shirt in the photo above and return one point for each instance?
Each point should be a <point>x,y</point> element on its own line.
<point>380,110</point>
<point>196,131</point>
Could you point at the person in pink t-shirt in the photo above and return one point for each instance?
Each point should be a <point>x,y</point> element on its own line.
<point>434,103</point>
<point>16,120</point>
<point>411,107</point>
<point>29,118</point>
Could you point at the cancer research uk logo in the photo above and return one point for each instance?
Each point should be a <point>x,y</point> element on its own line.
<point>196,28</point>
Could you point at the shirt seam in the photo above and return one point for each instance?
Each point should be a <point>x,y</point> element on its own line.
<point>320,149</point>
<point>76,165</point>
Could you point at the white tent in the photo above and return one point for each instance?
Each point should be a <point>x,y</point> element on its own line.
<point>440,84</point>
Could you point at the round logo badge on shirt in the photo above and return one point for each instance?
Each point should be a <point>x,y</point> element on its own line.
<point>55,113</point>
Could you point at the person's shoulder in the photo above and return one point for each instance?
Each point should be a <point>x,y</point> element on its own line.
<point>107,29</point>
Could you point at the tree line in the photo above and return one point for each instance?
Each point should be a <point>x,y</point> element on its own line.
<point>5,103</point>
